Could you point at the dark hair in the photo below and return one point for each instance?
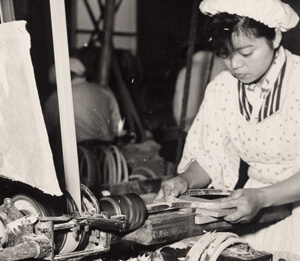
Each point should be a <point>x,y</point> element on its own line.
<point>222,26</point>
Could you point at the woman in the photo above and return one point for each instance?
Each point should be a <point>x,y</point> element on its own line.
<point>250,112</point>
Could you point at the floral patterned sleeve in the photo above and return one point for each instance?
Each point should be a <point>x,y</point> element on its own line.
<point>208,142</point>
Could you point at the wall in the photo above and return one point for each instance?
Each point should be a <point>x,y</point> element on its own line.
<point>291,39</point>
<point>125,23</point>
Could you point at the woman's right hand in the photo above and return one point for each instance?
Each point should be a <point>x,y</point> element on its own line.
<point>172,188</point>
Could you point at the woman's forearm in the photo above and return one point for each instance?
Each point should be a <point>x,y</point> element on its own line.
<point>287,191</point>
<point>196,176</point>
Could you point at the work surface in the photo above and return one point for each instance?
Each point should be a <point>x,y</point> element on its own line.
<point>174,225</point>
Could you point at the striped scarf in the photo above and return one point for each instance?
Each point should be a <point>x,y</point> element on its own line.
<point>271,103</point>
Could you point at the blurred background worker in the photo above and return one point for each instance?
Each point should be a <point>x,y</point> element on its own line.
<point>96,114</point>
<point>96,110</point>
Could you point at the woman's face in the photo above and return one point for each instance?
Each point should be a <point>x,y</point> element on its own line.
<point>250,59</point>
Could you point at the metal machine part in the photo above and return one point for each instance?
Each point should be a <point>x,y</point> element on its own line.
<point>65,241</point>
<point>20,240</point>
<point>44,232</point>
<point>130,205</point>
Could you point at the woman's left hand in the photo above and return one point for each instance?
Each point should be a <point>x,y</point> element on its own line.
<point>248,203</point>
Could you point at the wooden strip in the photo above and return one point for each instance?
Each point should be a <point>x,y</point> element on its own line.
<point>215,212</point>
<point>207,192</point>
<point>172,216</point>
<point>65,99</point>
<point>157,207</point>
<point>230,241</point>
<point>185,202</point>
<point>194,199</point>
<point>196,202</point>
<point>210,252</point>
<point>201,219</point>
<point>198,248</point>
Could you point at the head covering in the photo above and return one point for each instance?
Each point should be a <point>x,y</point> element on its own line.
<point>272,13</point>
<point>76,67</point>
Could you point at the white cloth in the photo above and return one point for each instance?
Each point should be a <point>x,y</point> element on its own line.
<point>25,154</point>
<point>273,13</point>
<point>77,67</point>
<point>220,136</point>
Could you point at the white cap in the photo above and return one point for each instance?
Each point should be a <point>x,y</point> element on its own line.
<point>272,13</point>
<point>76,67</point>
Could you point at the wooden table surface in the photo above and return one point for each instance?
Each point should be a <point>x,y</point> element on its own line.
<point>174,225</point>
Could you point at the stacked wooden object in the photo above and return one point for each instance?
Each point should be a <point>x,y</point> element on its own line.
<point>191,215</point>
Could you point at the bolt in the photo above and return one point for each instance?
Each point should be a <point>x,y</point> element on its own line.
<point>92,212</point>
<point>7,201</point>
<point>86,228</point>
<point>97,233</point>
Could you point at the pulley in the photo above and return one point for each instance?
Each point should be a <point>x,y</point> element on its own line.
<point>65,240</point>
<point>130,205</point>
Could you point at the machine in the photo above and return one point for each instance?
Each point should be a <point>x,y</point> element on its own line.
<point>32,229</point>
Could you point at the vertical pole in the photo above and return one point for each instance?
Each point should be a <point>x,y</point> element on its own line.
<point>189,64</point>
<point>73,25</point>
<point>105,57</point>
<point>65,99</point>
<point>7,12</point>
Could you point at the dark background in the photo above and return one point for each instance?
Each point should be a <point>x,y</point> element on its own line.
<point>162,38</point>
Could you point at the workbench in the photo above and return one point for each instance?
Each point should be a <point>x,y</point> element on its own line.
<point>163,232</point>
<point>174,225</point>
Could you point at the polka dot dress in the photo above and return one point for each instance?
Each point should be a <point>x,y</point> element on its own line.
<point>220,136</point>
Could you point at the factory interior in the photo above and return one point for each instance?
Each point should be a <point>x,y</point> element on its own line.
<point>69,194</point>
